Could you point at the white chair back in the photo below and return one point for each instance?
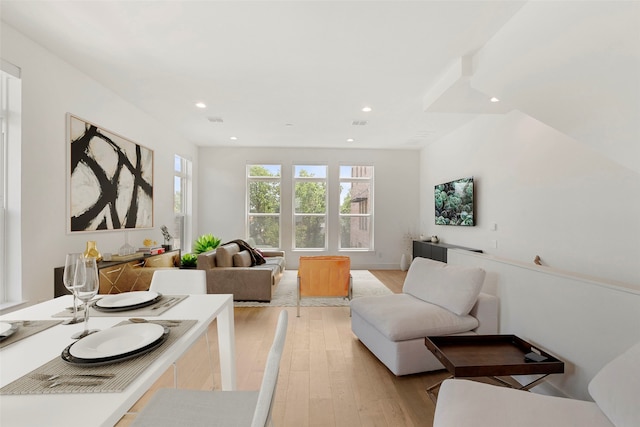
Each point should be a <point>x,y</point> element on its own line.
<point>179,281</point>
<point>266,395</point>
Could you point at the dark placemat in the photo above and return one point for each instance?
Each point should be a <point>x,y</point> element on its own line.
<point>26,328</point>
<point>123,372</point>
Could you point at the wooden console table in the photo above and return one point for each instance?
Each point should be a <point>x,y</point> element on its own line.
<point>489,356</point>
<point>124,276</point>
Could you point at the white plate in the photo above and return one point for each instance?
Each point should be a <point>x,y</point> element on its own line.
<point>5,327</point>
<point>126,299</point>
<point>116,341</point>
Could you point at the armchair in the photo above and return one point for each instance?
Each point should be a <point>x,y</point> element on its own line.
<point>436,299</point>
<point>324,276</point>
<point>614,390</point>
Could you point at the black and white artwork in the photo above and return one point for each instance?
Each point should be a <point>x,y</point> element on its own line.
<point>110,180</point>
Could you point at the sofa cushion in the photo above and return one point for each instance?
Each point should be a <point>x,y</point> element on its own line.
<point>256,256</point>
<point>402,317</point>
<point>615,388</point>
<point>276,261</point>
<point>224,255</point>
<point>453,287</point>
<point>242,259</point>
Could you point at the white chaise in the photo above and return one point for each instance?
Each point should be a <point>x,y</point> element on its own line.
<point>437,299</point>
<point>615,391</point>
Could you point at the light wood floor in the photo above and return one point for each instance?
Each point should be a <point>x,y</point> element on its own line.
<point>327,377</point>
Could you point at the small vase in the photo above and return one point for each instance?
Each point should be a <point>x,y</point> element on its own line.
<point>404,262</point>
<point>92,251</point>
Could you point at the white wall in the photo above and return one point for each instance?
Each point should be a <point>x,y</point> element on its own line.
<point>584,322</point>
<point>50,89</point>
<point>549,196</point>
<point>560,177</point>
<point>222,200</point>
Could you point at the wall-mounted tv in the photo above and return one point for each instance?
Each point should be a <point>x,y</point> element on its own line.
<point>454,202</point>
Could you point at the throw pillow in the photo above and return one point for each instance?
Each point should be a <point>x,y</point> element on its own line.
<point>242,259</point>
<point>453,287</point>
<point>224,255</point>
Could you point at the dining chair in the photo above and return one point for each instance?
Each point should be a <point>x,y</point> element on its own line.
<point>171,407</point>
<point>324,276</point>
<point>179,281</point>
<point>174,281</point>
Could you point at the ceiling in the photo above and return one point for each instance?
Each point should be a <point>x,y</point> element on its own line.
<point>279,73</point>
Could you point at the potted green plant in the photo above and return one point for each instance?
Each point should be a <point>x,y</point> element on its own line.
<point>205,243</point>
<point>189,261</point>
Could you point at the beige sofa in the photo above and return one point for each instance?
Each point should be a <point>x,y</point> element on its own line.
<point>229,271</point>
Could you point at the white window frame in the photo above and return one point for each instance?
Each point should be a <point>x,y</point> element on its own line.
<point>324,215</point>
<point>249,214</point>
<point>10,184</point>
<point>370,203</point>
<point>183,214</point>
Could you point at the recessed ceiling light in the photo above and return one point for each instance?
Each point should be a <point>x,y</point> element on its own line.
<point>233,138</point>
<point>288,124</point>
<point>201,105</point>
<point>366,109</point>
<point>494,99</point>
<point>350,139</point>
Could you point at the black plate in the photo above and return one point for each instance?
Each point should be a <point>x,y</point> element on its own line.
<point>127,307</point>
<point>77,361</point>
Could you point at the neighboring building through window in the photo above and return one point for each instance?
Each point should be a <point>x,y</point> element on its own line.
<point>263,205</point>
<point>310,207</point>
<point>356,208</point>
<point>182,205</point>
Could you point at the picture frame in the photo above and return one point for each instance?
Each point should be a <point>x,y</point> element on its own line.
<point>110,180</point>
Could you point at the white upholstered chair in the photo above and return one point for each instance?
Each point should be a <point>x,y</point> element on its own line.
<point>171,407</point>
<point>179,281</point>
<point>614,390</point>
<point>174,281</point>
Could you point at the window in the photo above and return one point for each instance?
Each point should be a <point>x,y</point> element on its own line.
<point>263,205</point>
<point>182,206</point>
<point>10,168</point>
<point>310,207</point>
<point>356,207</point>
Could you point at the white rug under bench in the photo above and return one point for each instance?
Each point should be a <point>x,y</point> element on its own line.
<point>364,284</point>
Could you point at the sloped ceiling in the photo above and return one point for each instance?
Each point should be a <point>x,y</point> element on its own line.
<point>574,66</point>
<point>297,73</point>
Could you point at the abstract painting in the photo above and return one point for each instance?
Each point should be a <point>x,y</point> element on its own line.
<point>110,180</point>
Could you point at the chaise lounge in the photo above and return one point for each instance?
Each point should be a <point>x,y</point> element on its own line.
<point>436,299</point>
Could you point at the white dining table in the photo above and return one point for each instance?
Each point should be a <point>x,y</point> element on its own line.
<point>103,409</point>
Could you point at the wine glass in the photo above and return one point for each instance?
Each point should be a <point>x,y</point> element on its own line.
<point>86,289</point>
<point>70,267</point>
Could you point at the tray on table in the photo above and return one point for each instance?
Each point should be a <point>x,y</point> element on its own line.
<point>490,355</point>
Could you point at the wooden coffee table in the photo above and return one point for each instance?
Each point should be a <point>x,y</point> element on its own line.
<point>490,356</point>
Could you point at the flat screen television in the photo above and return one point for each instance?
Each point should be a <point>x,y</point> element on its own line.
<point>454,202</point>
